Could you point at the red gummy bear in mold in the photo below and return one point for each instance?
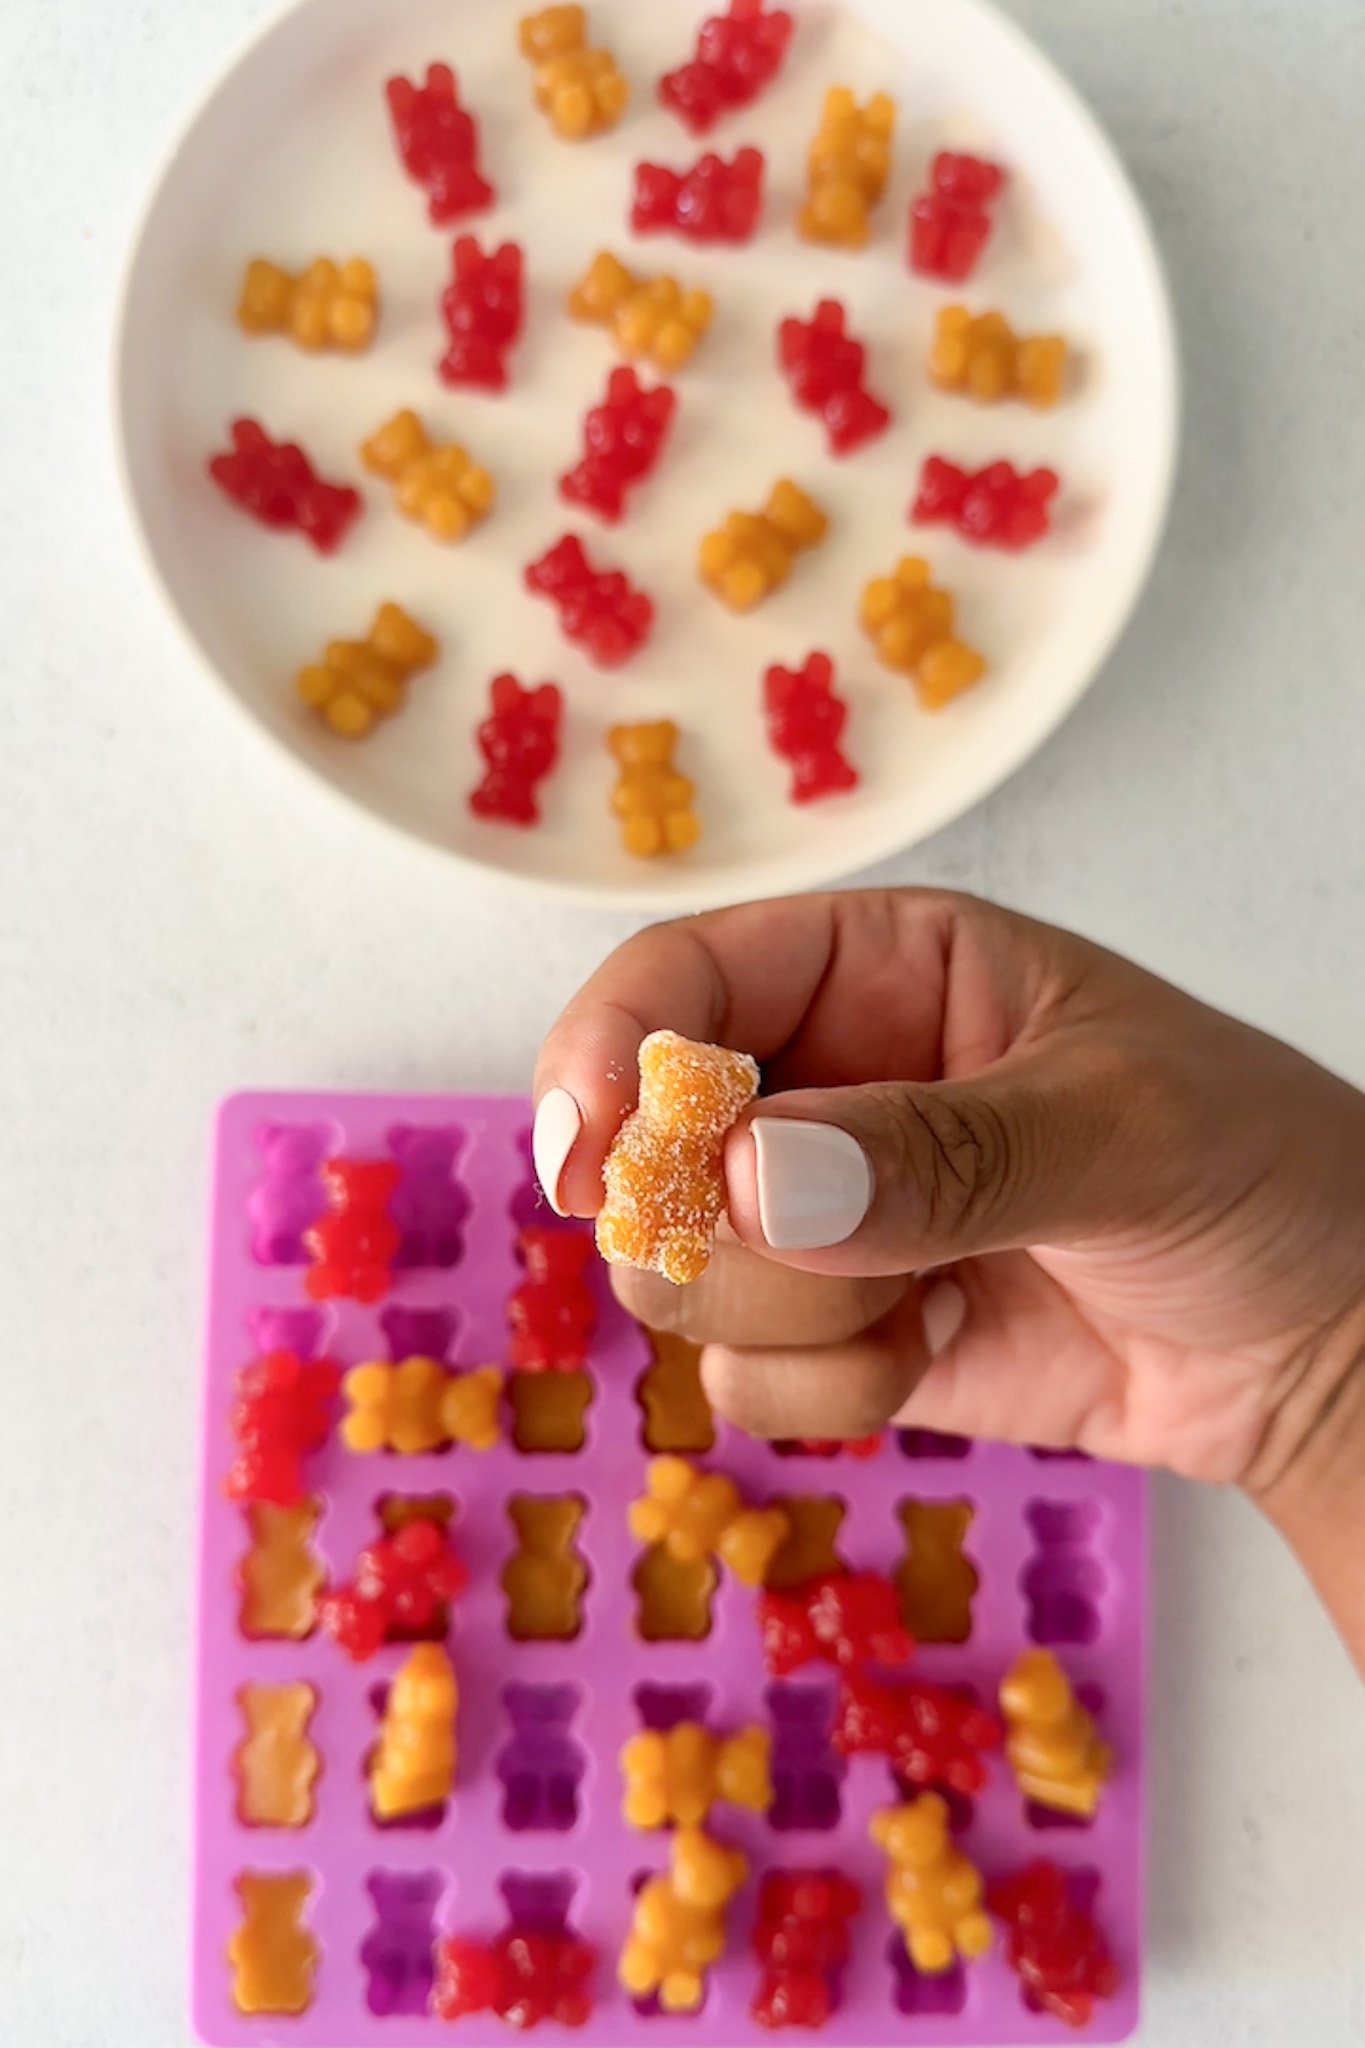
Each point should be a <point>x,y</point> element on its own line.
<point>715,201</point>
<point>931,1736</point>
<point>438,141</point>
<point>1052,1941</point>
<point>832,1447</point>
<point>525,1977</point>
<point>998,506</point>
<point>623,440</point>
<point>738,55</point>
<point>355,1241</point>
<point>599,609</point>
<point>274,482</point>
<point>826,369</point>
<point>951,223</point>
<point>400,1587</point>
<point>802,1939</point>
<point>850,1619</point>
<point>519,741</point>
<point>484,308</point>
<point>552,1313</point>
<point>806,717</point>
<point>283,1410</point>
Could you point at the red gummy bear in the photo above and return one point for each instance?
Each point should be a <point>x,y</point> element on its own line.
<point>438,140</point>
<point>995,507</point>
<point>849,1619</point>
<point>830,1447</point>
<point>519,740</point>
<point>805,719</point>
<point>355,1241</point>
<point>401,1583</point>
<point>483,307</point>
<point>522,1977</point>
<point>931,1736</point>
<point>713,202</point>
<point>623,439</point>
<point>738,54</point>
<point>276,483</point>
<point>825,368</point>
<point>283,1410</point>
<point>600,610</point>
<point>950,224</point>
<point>1054,1945</point>
<point>552,1314</point>
<point>801,1937</point>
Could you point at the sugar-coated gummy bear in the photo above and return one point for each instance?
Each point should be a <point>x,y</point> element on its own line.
<point>652,799</point>
<point>847,169</point>
<point>998,506</point>
<point>738,55</point>
<point>623,440</point>
<point>826,369</point>
<point>806,718</point>
<point>282,1412</point>
<point>416,1405</point>
<point>276,1764</point>
<point>651,317</point>
<point>436,484</point>
<point>981,356</point>
<point>354,1242</point>
<point>519,741</point>
<point>849,1619</point>
<point>581,90</point>
<point>950,223</point>
<point>359,682</point>
<point>526,1976</point>
<point>413,1767</point>
<point>910,623</point>
<point>328,305</point>
<point>715,201</point>
<point>438,141</point>
<point>803,1943</point>
<point>401,1585</point>
<point>1053,1943</point>
<point>551,1313</point>
<point>678,1929</point>
<point>752,554</point>
<point>1057,1757</point>
<point>484,310</point>
<point>599,609</point>
<point>664,1175</point>
<point>930,1735</point>
<point>275,483</point>
<point>675,1776</point>
<point>702,1514</point>
<point>272,1953</point>
<point>935,1894</point>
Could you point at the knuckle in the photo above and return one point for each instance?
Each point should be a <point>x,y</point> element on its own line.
<point>953,1160</point>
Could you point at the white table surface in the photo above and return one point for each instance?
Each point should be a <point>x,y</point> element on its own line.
<point>180,915</point>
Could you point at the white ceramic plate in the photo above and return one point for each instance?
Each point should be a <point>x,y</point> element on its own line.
<point>291,156</point>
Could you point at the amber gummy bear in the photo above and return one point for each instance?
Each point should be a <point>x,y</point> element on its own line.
<point>673,1596</point>
<point>848,166</point>
<point>581,90</point>
<point>703,1514</point>
<point>545,1578</point>
<point>910,623</point>
<point>810,1549</point>
<point>981,356</point>
<point>678,1930</point>
<point>1054,1751</point>
<point>652,799</point>
<point>549,1410</point>
<point>276,1764</point>
<point>677,1414</point>
<point>359,682</point>
<point>328,305</point>
<point>281,1574</point>
<point>664,1175</point>
<point>437,484</point>
<point>935,1894</point>
<point>936,1582</point>
<point>415,1405</point>
<point>649,317</point>
<point>751,555</point>
<point>272,1954</point>
<point>413,1766</point>
<point>675,1776</point>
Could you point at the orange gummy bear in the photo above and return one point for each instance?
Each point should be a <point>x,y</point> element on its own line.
<point>651,317</point>
<point>437,484</point>
<point>934,1893</point>
<point>678,1929</point>
<point>751,556</point>
<point>674,1599</point>
<point>272,1954</point>
<point>358,682</point>
<point>413,1766</point>
<point>677,1775</point>
<point>1055,1753</point>
<point>545,1578</point>
<point>416,1406</point>
<point>982,356</point>
<point>580,89</point>
<point>276,1763</point>
<point>651,798</point>
<point>848,166</point>
<point>911,625</point>
<point>936,1582</point>
<point>281,1575</point>
<point>664,1175</point>
<point>677,1414</point>
<point>702,1514</point>
<point>328,305</point>
<point>549,1410</point>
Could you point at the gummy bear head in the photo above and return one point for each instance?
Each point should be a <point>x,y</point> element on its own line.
<point>1036,1690</point>
<point>292,1149</point>
<point>697,1088</point>
<point>914,1835</point>
<point>424,1151</point>
<point>639,747</point>
<point>706,1873</point>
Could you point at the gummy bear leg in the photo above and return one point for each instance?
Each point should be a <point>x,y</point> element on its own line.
<point>681,831</point>
<point>931,1951</point>
<point>680,1991</point>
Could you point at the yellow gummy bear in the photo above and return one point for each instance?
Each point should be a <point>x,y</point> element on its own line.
<point>910,623</point>
<point>580,89</point>
<point>1054,1751</point>
<point>328,305</point>
<point>438,485</point>
<point>934,1893</point>
<point>752,554</point>
<point>678,1774</point>
<point>413,1767</point>
<point>702,1514</point>
<point>417,1406</point>
<point>678,1929</point>
<point>650,317</point>
<point>359,682</point>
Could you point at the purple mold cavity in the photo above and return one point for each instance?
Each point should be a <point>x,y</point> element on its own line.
<point>541,1766</point>
<point>662,1707</point>
<point>419,1332</point>
<point>429,1205</point>
<point>932,1443</point>
<point>1063,1581</point>
<point>397,1952</point>
<point>288,1196</point>
<point>806,1773</point>
<point>538,1901</point>
<point>1045,1457</point>
<point>918,1996</point>
<point>287,1329</point>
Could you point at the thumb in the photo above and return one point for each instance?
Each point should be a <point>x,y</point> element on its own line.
<point>900,1176</point>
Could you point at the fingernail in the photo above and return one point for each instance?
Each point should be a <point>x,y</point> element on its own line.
<point>943,1312</point>
<point>553,1137</point>
<point>814,1183</point>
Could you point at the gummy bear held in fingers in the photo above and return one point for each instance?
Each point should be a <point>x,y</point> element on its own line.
<point>738,55</point>
<point>438,141</point>
<point>275,483</point>
<point>519,741</point>
<point>599,609</point>
<point>715,201</point>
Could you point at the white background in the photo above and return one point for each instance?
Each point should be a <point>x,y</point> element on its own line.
<point>180,915</point>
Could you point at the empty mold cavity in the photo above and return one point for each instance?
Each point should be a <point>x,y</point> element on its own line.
<point>1046,1457</point>
<point>676,1415</point>
<point>1063,1581</point>
<point>811,1548</point>
<point>919,1996</point>
<point>288,1197</point>
<point>287,1329</point>
<point>397,1954</point>
<point>429,1205</point>
<point>674,1598</point>
<point>281,1575</point>
<point>549,1410</point>
<point>419,1332</point>
<point>806,1773</point>
<point>538,1901</point>
<point>272,1952</point>
<point>932,1443</point>
<point>545,1578</point>
<point>542,1764</point>
<point>276,1765</point>
<point>936,1581</point>
<point>662,1707</point>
